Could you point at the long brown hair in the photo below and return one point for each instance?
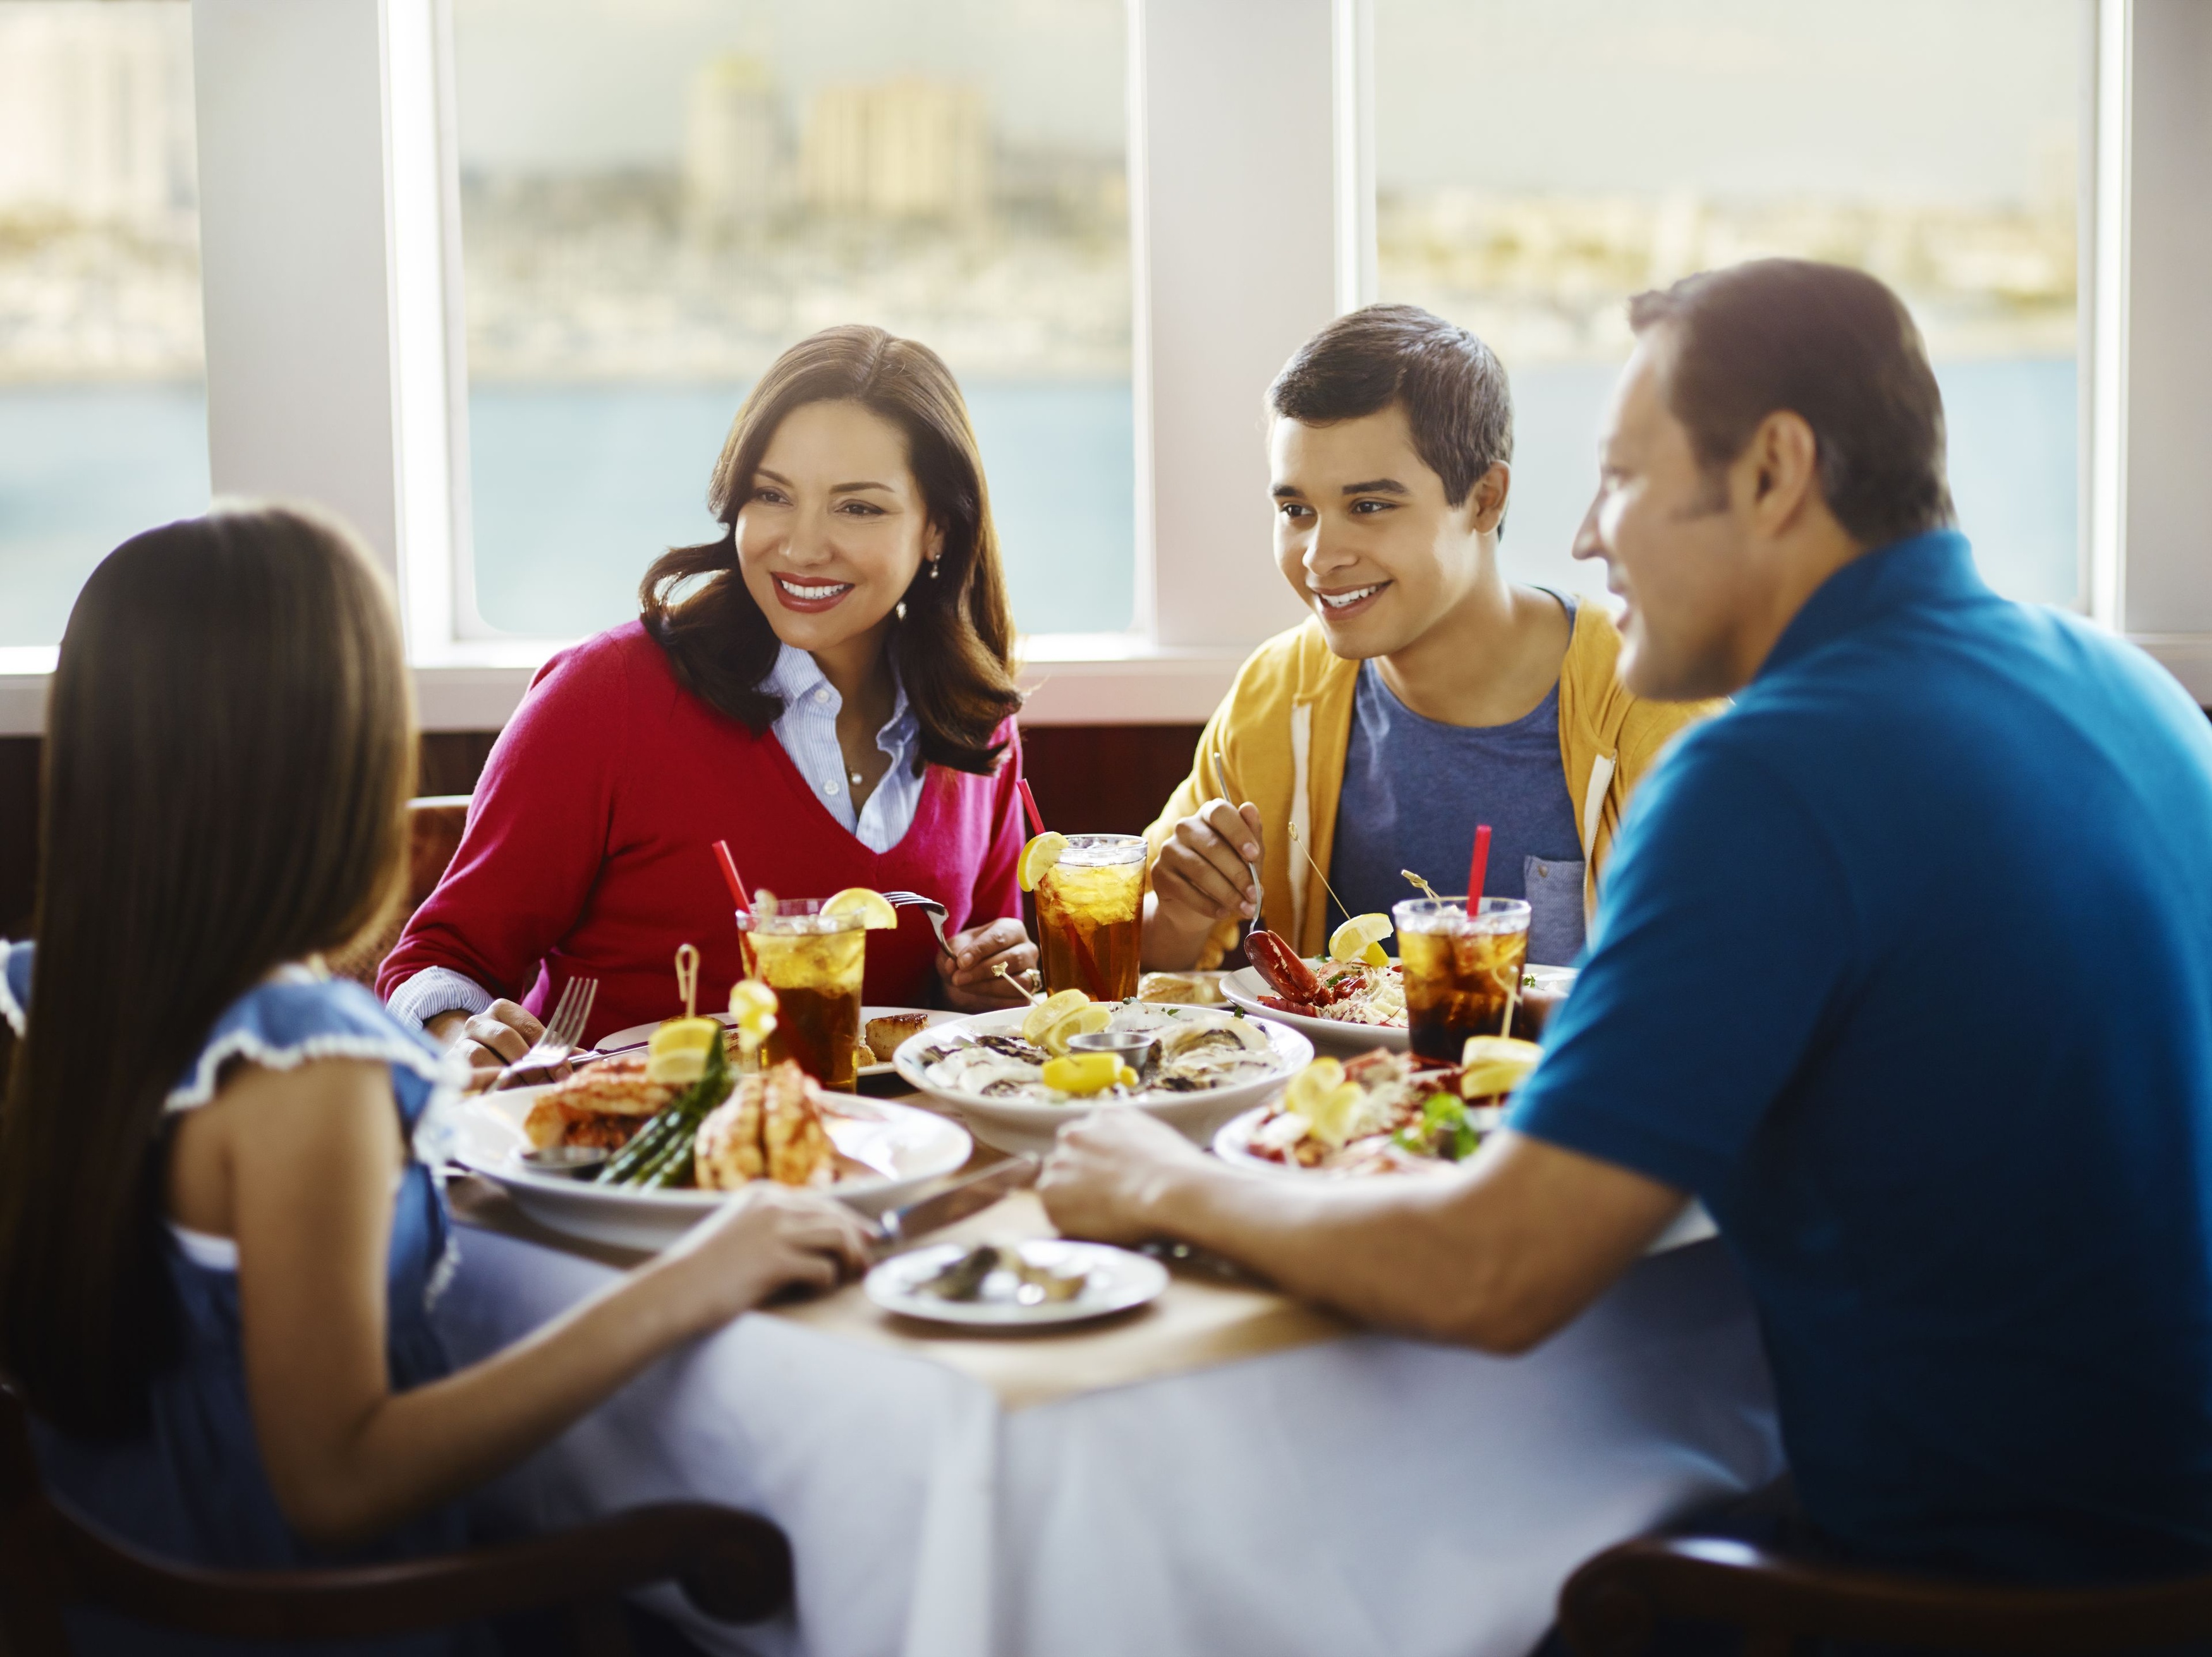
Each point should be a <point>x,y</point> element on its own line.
<point>229,750</point>
<point>954,648</point>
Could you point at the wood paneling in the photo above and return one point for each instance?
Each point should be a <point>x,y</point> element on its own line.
<point>1110,778</point>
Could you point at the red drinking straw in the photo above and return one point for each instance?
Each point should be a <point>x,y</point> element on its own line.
<point>1029,804</point>
<point>1084,958</point>
<point>1479,868</point>
<point>737,882</point>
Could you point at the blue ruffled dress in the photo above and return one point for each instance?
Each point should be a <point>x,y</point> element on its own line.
<point>191,1487</point>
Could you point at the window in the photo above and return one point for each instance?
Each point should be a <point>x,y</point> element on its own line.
<point>103,398</point>
<point>655,200</point>
<point>1537,165</point>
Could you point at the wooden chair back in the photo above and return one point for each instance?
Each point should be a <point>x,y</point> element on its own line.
<point>434,825</point>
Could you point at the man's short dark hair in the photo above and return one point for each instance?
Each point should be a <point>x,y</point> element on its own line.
<point>1451,384</point>
<point>1831,345</point>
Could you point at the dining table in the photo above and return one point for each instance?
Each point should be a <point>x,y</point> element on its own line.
<point>1224,1470</point>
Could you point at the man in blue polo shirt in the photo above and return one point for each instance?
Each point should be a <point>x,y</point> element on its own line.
<point>1904,967</point>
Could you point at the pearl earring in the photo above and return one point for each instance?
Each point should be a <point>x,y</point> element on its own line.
<point>932,569</point>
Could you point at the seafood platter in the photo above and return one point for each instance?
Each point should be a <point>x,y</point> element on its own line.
<point>1016,1077</point>
<point>635,1149</point>
<point>1355,996</point>
<point>1390,1112</point>
<point>882,1029</point>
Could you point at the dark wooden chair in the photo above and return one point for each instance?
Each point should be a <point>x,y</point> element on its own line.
<point>1612,1606</point>
<point>434,823</point>
<point>734,1567</point>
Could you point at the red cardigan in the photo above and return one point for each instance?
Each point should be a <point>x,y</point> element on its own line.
<point>589,848</point>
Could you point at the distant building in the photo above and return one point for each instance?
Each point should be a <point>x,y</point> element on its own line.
<point>96,115</point>
<point>733,156</point>
<point>906,148</point>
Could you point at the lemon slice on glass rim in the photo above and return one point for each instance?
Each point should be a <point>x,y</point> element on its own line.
<point>1038,857</point>
<point>1360,938</point>
<point>875,910</point>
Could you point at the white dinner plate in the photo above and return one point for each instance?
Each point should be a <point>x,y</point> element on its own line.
<point>1245,986</point>
<point>888,1152</point>
<point>1028,1129</point>
<point>1233,1144</point>
<point>644,1032</point>
<point>1115,1280</point>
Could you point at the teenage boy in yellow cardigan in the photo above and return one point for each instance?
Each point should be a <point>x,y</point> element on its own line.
<point>1426,695</point>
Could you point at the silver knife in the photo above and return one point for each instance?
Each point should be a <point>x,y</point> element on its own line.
<point>899,1227</point>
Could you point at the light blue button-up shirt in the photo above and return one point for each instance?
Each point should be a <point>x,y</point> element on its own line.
<point>807,728</point>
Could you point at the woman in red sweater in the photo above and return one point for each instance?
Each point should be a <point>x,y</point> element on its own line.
<point>828,686</point>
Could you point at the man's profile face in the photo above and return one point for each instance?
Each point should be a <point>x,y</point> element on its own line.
<point>1364,534</point>
<point>1671,542</point>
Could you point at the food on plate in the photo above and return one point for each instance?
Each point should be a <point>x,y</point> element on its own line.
<point>1360,939</point>
<point>963,1278</point>
<point>602,1104</point>
<point>1053,1020</point>
<point>1346,991</point>
<point>883,1035</point>
<point>1195,1051</point>
<point>660,1154</point>
<point>770,1127</point>
<point>1192,989</point>
<point>1387,1112</point>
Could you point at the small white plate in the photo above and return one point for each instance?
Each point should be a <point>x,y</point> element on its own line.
<point>906,1148</point>
<point>1116,1280</point>
<point>1233,1144</point>
<point>935,1016</point>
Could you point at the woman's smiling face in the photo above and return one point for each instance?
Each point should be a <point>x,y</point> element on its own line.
<point>833,528</point>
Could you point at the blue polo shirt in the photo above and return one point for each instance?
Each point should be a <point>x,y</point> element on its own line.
<point>1904,966</point>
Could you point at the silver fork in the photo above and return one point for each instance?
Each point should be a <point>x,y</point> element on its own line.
<point>1213,765</point>
<point>563,1031</point>
<point>929,905</point>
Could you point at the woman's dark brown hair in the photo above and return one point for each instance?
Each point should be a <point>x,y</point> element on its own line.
<point>954,648</point>
<point>229,750</point>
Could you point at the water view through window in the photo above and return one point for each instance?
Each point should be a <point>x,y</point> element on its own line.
<point>657,200</point>
<point>1537,165</point>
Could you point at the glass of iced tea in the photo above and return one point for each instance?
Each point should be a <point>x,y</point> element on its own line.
<point>1462,972</point>
<point>813,963</point>
<point>1091,916</point>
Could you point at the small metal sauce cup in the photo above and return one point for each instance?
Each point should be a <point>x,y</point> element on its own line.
<point>563,1159</point>
<point>1133,1049</point>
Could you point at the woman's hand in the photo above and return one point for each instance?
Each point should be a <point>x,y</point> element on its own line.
<point>766,1239</point>
<point>1109,1172</point>
<point>970,974</point>
<point>491,1041</point>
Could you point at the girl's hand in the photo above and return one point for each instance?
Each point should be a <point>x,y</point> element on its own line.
<point>969,976</point>
<point>768,1238</point>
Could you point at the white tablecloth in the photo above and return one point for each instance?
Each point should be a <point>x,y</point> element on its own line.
<point>1359,1497</point>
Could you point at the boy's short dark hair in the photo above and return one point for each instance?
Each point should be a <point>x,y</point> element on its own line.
<point>1833,346</point>
<point>1451,384</point>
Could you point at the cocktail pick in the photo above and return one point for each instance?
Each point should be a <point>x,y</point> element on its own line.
<point>1299,840</point>
<point>687,978</point>
<point>1477,869</point>
<point>1426,890</point>
<point>1029,804</point>
<point>736,881</point>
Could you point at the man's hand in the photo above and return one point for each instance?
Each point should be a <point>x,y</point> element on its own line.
<point>969,975</point>
<point>1107,1176</point>
<point>491,1041</point>
<point>1205,869</point>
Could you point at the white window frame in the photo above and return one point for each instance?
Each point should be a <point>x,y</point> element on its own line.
<point>330,248</point>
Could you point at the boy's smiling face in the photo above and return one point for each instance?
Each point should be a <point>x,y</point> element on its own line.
<point>1364,536</point>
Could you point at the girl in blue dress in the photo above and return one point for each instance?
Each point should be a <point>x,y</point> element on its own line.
<point>219,1230</point>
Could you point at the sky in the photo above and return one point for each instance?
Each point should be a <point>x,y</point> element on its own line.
<point>1935,100</point>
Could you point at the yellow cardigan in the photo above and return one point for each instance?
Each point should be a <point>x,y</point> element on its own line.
<point>1280,737</point>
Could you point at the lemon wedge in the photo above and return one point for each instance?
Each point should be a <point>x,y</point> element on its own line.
<point>1050,1011</point>
<point>1360,938</point>
<point>1324,1101</point>
<point>1038,857</point>
<point>752,1006</point>
<point>1494,1063</point>
<point>1086,1020</point>
<point>1083,1073</point>
<point>873,908</point>
<point>676,1053</point>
